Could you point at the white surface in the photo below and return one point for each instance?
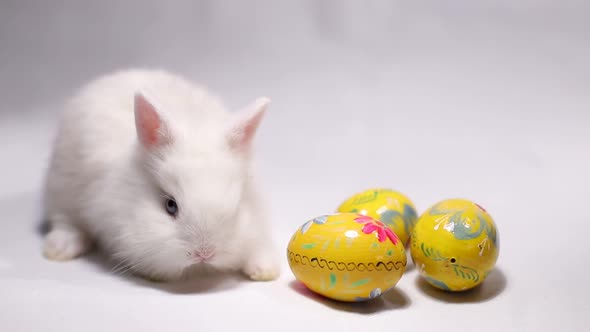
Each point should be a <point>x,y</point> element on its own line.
<point>487,101</point>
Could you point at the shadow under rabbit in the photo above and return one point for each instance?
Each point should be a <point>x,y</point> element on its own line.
<point>195,280</point>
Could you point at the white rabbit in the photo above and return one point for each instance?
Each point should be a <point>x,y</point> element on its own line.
<point>153,170</point>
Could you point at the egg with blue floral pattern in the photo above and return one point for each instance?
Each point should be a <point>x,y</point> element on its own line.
<point>455,245</point>
<point>347,257</point>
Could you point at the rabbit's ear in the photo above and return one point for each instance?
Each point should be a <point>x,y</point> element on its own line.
<point>242,132</point>
<point>152,131</point>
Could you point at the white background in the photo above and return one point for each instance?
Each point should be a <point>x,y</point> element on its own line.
<point>487,100</point>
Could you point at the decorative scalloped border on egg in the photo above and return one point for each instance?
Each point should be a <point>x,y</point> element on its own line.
<point>345,266</point>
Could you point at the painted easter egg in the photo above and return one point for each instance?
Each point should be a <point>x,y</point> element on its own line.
<point>455,245</point>
<point>346,257</point>
<point>392,208</point>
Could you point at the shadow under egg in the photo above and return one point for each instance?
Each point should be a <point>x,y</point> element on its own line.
<point>490,288</point>
<point>393,299</point>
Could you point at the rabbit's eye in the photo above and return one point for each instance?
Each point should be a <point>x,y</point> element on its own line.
<point>171,207</point>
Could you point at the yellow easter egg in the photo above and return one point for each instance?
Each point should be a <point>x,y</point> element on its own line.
<point>388,206</point>
<point>455,245</point>
<point>346,257</point>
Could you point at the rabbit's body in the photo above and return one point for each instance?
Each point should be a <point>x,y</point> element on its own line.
<point>153,169</point>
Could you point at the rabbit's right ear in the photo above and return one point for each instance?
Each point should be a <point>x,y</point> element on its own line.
<point>242,132</point>
<point>152,131</point>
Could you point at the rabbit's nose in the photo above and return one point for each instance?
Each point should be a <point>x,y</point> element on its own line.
<point>205,253</point>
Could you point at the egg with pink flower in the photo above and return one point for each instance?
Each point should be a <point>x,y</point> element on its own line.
<point>346,256</point>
